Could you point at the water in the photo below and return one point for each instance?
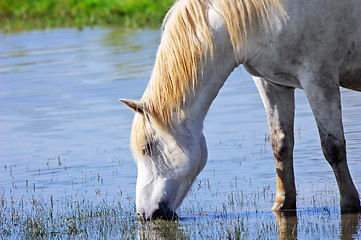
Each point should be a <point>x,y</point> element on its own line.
<point>64,133</point>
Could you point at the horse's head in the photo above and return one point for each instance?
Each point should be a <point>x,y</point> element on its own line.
<point>168,161</point>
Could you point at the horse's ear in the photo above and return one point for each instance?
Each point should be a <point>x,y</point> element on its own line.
<point>136,106</point>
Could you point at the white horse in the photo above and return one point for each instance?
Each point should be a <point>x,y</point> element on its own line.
<point>314,45</point>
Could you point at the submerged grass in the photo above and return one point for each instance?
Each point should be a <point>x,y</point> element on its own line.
<point>24,14</point>
<point>80,218</point>
<point>241,215</point>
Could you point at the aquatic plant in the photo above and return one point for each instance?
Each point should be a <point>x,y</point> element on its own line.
<point>71,217</point>
<point>238,215</point>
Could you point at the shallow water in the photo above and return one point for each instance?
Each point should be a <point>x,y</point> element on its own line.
<point>64,133</point>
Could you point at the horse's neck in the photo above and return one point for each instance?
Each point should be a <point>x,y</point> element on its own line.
<point>210,78</point>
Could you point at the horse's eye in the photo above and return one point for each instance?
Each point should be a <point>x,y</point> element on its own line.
<point>147,149</point>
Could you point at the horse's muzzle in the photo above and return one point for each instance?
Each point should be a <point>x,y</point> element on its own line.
<point>163,213</point>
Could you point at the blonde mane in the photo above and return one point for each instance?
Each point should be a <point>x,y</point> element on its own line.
<point>186,42</point>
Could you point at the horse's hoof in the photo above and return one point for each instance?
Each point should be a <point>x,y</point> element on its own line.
<point>284,206</point>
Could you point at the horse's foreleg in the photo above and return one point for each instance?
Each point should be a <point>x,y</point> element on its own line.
<point>279,105</point>
<point>322,90</point>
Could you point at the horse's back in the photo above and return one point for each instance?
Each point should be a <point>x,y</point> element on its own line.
<point>315,33</point>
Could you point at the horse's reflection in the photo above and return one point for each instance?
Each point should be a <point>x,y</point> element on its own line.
<point>288,221</point>
<point>161,230</point>
<point>287,224</point>
<point>349,225</point>
<point>287,227</point>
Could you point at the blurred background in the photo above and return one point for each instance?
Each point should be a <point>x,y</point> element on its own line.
<point>30,14</point>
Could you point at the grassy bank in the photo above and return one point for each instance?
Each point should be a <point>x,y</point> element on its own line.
<point>25,14</point>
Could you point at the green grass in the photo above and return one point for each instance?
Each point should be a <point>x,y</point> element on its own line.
<point>25,14</point>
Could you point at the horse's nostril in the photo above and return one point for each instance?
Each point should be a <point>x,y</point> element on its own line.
<point>142,216</point>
